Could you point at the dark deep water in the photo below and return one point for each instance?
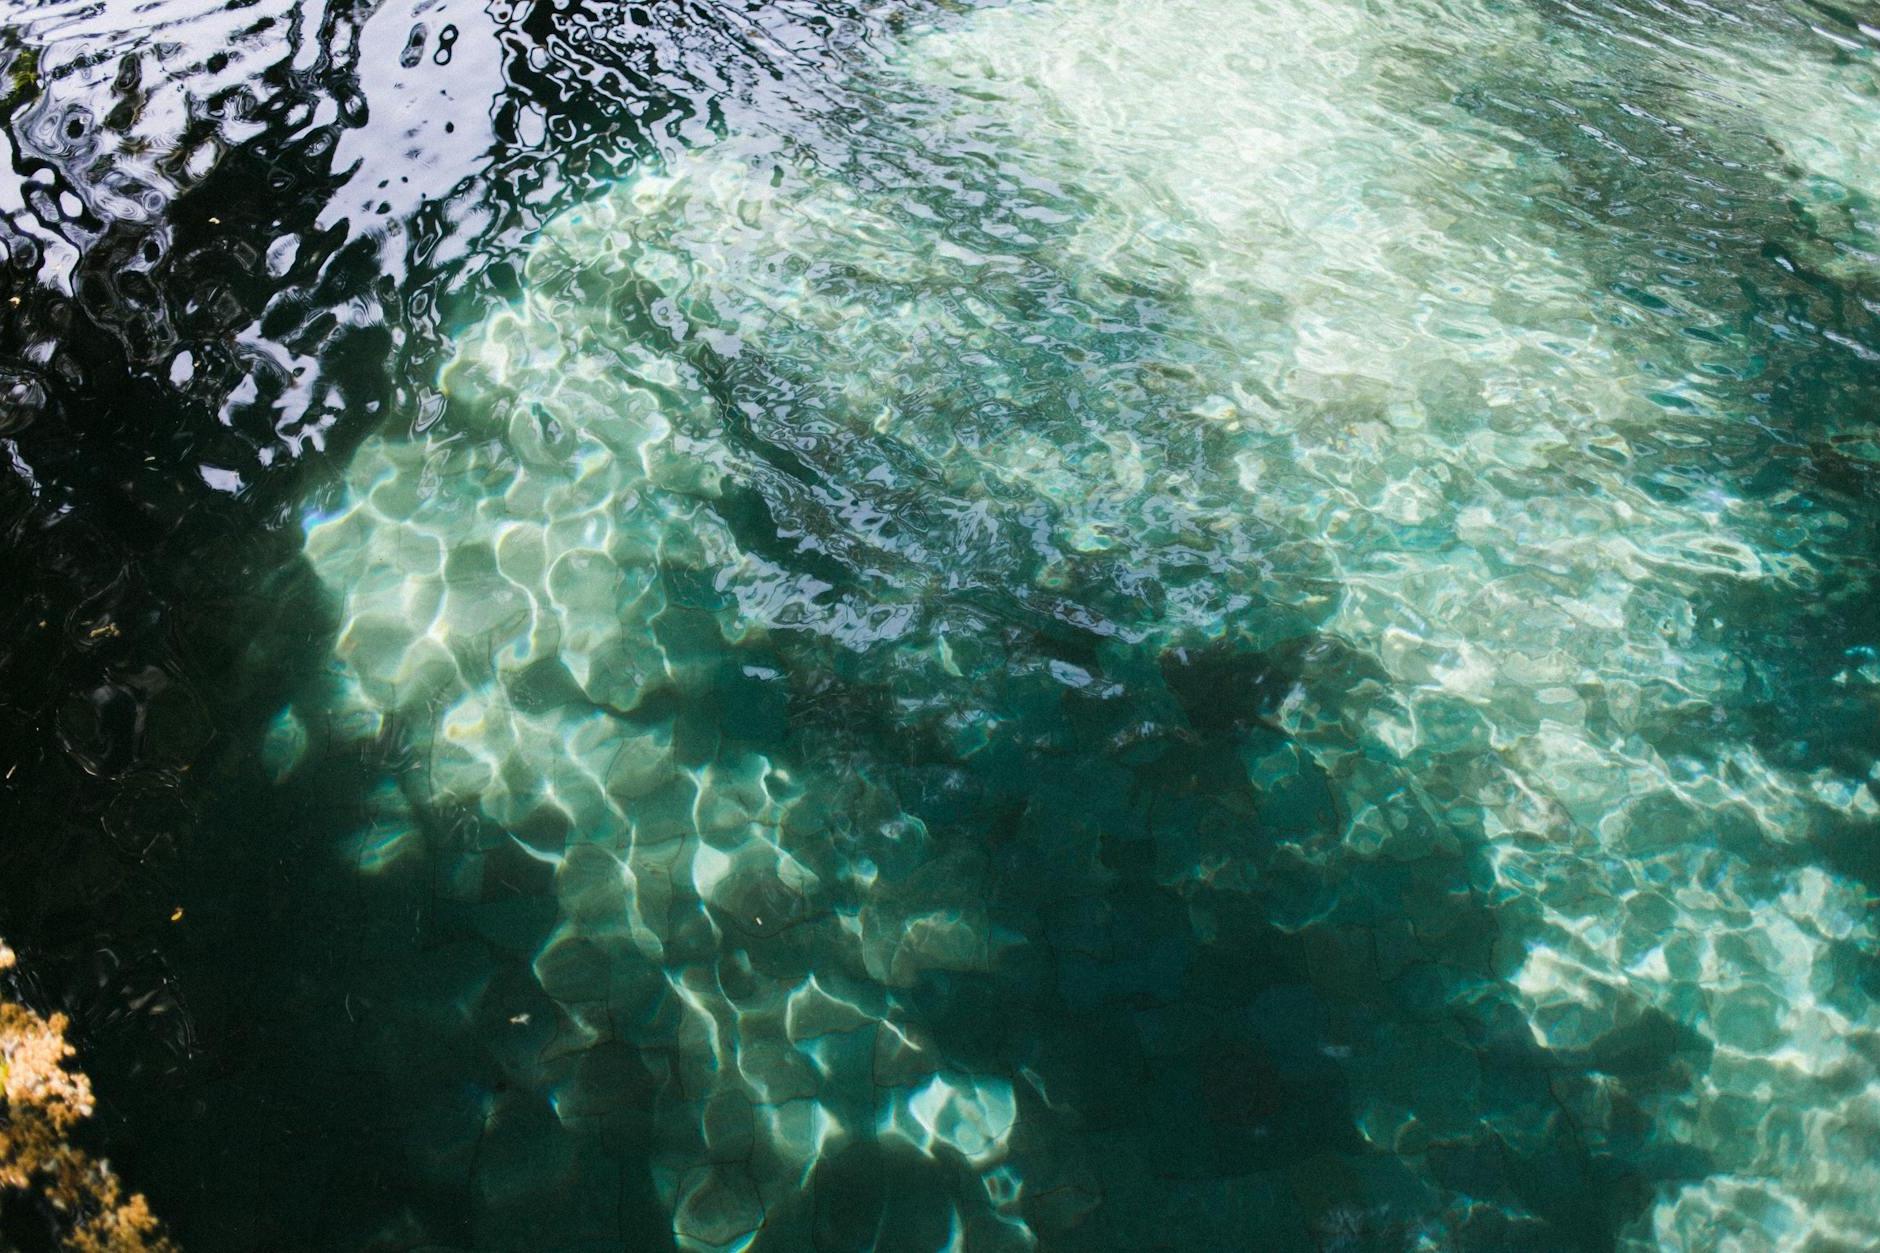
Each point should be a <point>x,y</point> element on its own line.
<point>1188,625</point>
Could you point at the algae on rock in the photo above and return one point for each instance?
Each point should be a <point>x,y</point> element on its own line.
<point>42,1102</point>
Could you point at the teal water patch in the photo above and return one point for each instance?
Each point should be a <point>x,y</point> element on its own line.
<point>1161,644</point>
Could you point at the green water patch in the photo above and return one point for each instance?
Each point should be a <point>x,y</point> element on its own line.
<point>1156,644</point>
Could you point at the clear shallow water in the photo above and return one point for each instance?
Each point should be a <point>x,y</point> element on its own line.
<point>1188,626</point>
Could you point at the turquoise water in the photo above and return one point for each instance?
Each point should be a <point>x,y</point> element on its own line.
<point>1181,624</point>
<point>959,602</point>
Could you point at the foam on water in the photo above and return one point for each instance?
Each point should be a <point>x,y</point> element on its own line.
<point>1201,328</point>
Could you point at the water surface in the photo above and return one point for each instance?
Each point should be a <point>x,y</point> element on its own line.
<point>1061,625</point>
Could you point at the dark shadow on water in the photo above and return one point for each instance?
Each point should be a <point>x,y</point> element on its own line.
<point>216,351</point>
<point>1209,1005</point>
<point>345,1081</point>
<point>1212,1016</point>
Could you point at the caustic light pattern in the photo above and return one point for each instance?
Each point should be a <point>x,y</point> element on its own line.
<point>1181,583</point>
